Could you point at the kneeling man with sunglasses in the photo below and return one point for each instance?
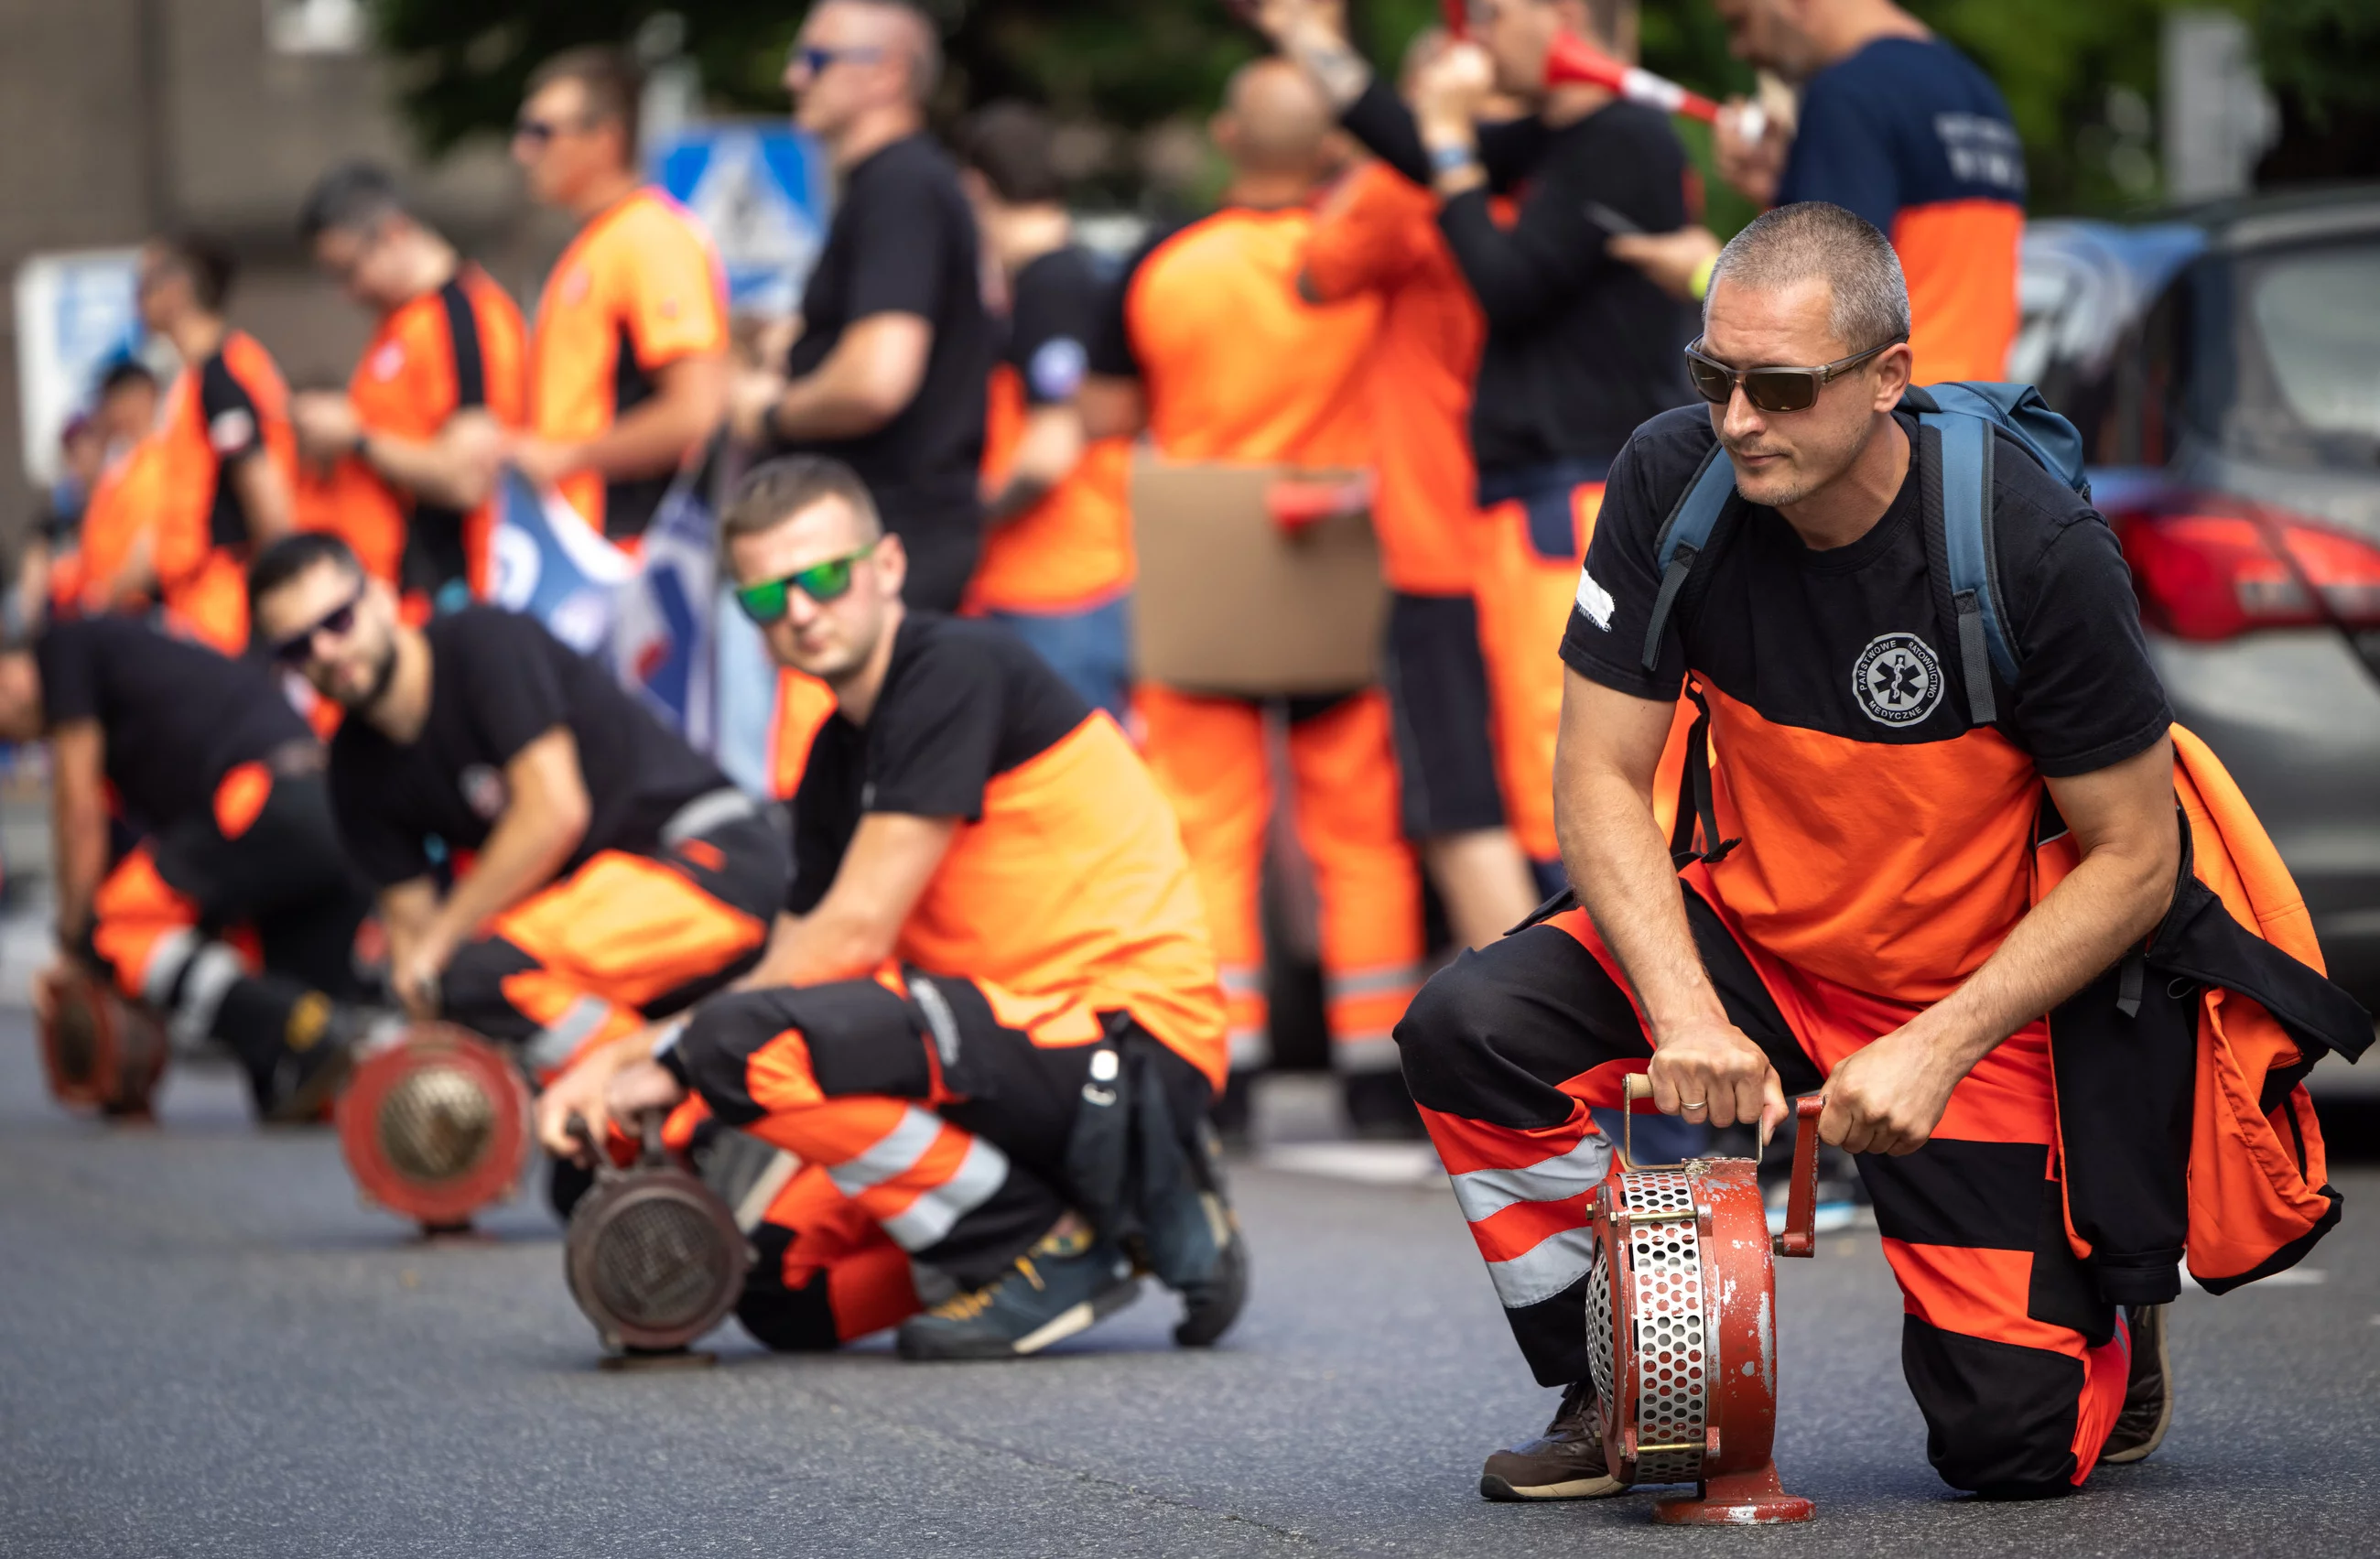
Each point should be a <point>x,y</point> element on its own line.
<point>555,866</point>
<point>989,1024</point>
<point>1861,915</point>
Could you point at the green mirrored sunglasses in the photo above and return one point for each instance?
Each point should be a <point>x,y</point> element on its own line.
<point>765,603</point>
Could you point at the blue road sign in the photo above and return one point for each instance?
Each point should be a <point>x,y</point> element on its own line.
<point>762,191</point>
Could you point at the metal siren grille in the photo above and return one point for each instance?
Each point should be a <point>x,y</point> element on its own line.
<point>436,1124</point>
<point>1599,1326</point>
<point>660,1264</point>
<point>1671,1352</point>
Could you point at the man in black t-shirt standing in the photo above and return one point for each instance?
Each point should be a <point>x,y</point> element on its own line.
<point>888,373</point>
<point>1866,911</point>
<point>1580,348</point>
<point>225,823</point>
<point>554,865</point>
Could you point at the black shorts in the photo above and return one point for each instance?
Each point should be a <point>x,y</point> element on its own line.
<point>1437,684</point>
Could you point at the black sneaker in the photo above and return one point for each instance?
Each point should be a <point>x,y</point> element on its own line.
<point>1380,1108</point>
<point>1233,1111</point>
<point>315,1059</point>
<point>1064,1284</point>
<point>1564,1463</point>
<point>2148,1394</point>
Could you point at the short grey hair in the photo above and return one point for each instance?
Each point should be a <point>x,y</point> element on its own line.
<point>1870,302</point>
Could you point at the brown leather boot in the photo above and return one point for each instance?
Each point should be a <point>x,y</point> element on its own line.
<point>1564,1463</point>
<point>2148,1394</point>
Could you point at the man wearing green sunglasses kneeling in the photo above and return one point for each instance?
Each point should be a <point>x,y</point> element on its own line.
<point>989,1011</point>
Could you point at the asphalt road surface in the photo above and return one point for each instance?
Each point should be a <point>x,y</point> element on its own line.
<point>208,1347</point>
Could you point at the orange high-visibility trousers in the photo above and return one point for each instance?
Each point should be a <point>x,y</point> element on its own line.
<point>1209,757</point>
<point>625,938</point>
<point>1525,591</point>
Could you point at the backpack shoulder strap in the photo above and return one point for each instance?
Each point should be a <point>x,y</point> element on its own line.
<point>1985,645</point>
<point>1684,537</point>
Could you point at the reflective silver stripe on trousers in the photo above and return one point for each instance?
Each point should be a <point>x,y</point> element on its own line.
<point>1483,1193</point>
<point>755,1203</point>
<point>1363,1052</point>
<point>1371,982</point>
<point>891,1154</point>
<point>926,1220</point>
<point>706,813</point>
<point>212,969</point>
<point>553,1044</point>
<point>164,966</point>
<point>1240,980</point>
<point>1544,1269</point>
<point>1249,1048</point>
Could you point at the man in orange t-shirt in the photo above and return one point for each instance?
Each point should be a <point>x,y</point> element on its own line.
<point>1057,565</point>
<point>402,464</point>
<point>628,358</point>
<point>1208,345</point>
<point>1379,235</point>
<point>225,462</point>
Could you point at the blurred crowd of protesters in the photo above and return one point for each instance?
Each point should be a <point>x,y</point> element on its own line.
<point>1471,282</point>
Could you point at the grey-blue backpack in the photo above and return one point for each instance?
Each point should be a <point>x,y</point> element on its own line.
<point>1963,415</point>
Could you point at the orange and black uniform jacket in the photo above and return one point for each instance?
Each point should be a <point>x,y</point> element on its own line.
<point>1378,234</point>
<point>1909,134</point>
<point>460,347</point>
<point>1070,551</point>
<point>639,288</point>
<point>232,407</point>
<point>1066,885</point>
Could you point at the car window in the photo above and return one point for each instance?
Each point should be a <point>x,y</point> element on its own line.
<point>2315,315</point>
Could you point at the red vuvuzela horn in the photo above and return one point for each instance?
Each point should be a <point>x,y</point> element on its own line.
<point>1573,59</point>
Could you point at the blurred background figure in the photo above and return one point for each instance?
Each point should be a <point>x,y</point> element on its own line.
<point>628,356</point>
<point>84,564</point>
<point>1579,348</point>
<point>1057,565</point>
<point>225,458</point>
<point>402,465</point>
<point>888,372</point>
<point>1378,234</point>
<point>1208,347</point>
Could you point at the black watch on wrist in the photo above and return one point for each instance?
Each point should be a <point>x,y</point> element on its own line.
<point>360,446</point>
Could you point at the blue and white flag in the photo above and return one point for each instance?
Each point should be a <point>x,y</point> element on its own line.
<point>660,632</point>
<point>550,563</point>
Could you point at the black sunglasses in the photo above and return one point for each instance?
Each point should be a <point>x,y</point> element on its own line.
<point>299,648</point>
<point>542,132</point>
<point>817,60</point>
<point>1771,389</point>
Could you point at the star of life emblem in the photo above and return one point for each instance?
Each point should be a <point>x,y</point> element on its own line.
<point>1898,679</point>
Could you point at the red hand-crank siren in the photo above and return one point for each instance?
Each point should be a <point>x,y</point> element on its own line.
<point>1682,1325</point>
<point>98,1050</point>
<point>435,1127</point>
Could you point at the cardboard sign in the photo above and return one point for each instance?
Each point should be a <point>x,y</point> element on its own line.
<point>1230,602</point>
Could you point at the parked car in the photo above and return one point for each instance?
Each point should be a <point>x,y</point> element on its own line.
<point>2225,370</point>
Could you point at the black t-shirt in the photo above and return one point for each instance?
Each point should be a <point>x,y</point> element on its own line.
<point>1822,641</point>
<point>174,715</point>
<point>498,681</point>
<point>1580,347</point>
<point>1053,315</point>
<point>963,701</point>
<point>904,241</point>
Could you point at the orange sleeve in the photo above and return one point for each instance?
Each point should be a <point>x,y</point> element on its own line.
<point>504,338</point>
<point>1363,238</point>
<point>668,290</point>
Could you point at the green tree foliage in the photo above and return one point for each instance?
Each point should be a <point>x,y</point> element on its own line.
<point>2079,76</point>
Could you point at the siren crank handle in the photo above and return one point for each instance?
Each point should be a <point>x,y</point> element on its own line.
<point>1801,1234</point>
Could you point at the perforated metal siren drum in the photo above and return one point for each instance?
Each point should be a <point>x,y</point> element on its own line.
<point>653,1255</point>
<point>98,1051</point>
<point>1681,1326</point>
<point>435,1127</point>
